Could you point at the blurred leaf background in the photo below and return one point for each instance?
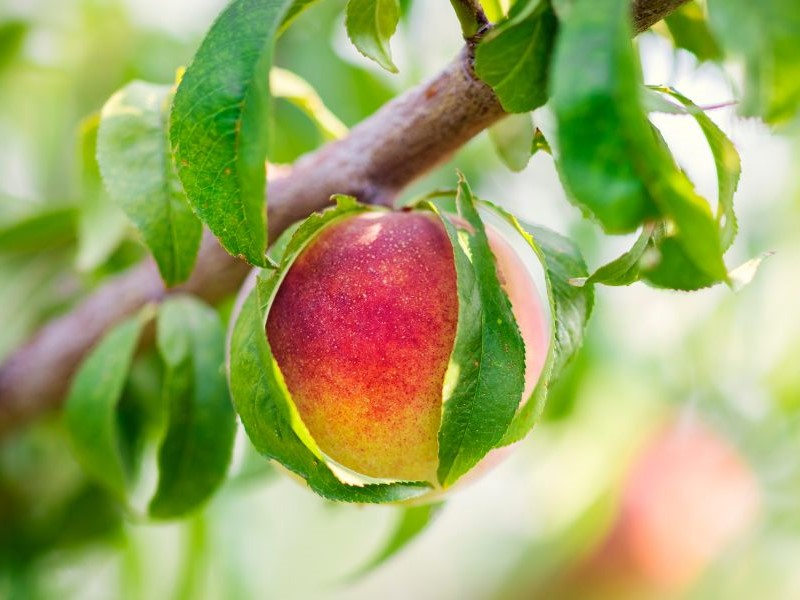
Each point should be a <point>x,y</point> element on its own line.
<point>728,360</point>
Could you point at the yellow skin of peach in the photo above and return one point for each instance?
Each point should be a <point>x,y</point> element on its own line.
<point>362,328</point>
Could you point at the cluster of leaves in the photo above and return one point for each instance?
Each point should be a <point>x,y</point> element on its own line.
<point>613,162</point>
<point>630,179</point>
<point>194,422</point>
<point>197,420</point>
<point>179,157</point>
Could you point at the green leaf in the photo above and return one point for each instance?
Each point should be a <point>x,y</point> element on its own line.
<point>673,269</point>
<point>370,25</point>
<point>412,522</point>
<point>37,230</point>
<point>299,92</point>
<point>220,125</point>
<point>486,375</point>
<point>512,138</point>
<point>570,309</point>
<point>513,57</point>
<point>12,35</point>
<point>539,142</point>
<point>696,230</point>
<point>495,9</point>
<point>727,163</point>
<point>101,224</point>
<point>612,162</point>
<point>601,127</point>
<point>667,265</point>
<point>90,411</point>
<point>294,11</point>
<point>656,102</point>
<point>690,31</point>
<point>625,269</point>
<point>658,258</point>
<point>194,455</point>
<point>262,400</point>
<point>136,163</point>
<point>765,36</point>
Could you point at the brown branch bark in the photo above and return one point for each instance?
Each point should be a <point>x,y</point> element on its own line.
<point>402,141</point>
<point>648,12</point>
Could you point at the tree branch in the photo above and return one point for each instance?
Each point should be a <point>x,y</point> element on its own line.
<point>403,140</point>
<point>647,13</point>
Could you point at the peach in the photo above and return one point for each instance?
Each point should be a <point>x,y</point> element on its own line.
<point>688,496</point>
<point>362,328</point>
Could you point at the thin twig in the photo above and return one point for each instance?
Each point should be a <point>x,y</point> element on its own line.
<point>472,18</point>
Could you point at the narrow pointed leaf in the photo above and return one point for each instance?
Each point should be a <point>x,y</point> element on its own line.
<point>486,375</point>
<point>136,163</point>
<point>413,521</point>
<point>727,163</point>
<point>90,411</point>
<point>570,309</point>
<point>370,25</point>
<point>540,143</point>
<point>194,455</point>
<point>220,125</point>
<point>625,269</point>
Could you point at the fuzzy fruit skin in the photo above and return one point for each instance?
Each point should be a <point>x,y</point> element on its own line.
<point>362,328</point>
<point>687,497</point>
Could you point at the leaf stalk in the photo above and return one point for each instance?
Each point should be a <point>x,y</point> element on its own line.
<point>474,22</point>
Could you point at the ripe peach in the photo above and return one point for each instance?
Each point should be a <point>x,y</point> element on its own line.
<point>688,496</point>
<point>362,328</point>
